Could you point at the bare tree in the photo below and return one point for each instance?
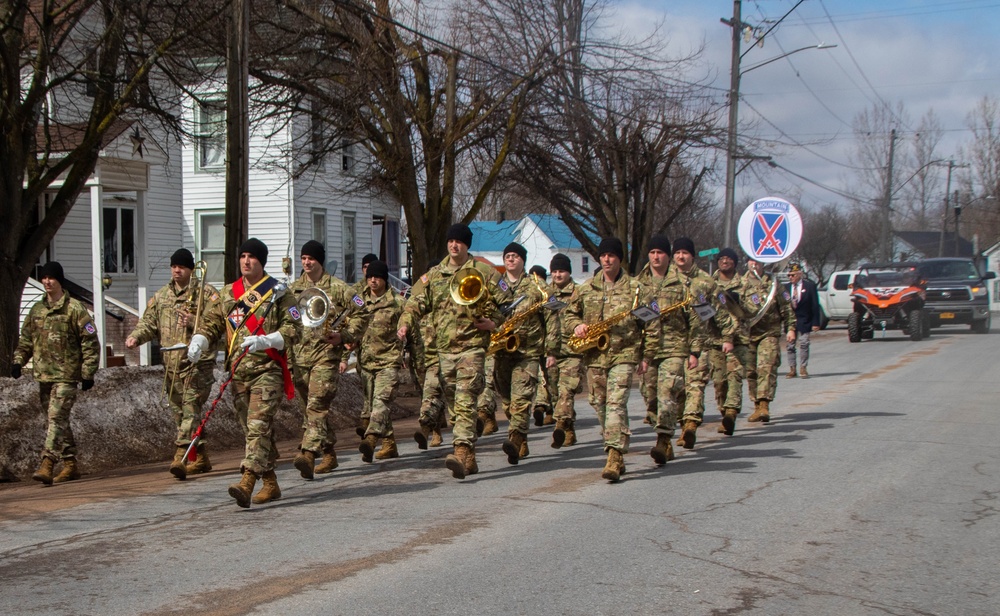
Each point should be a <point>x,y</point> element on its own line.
<point>919,203</point>
<point>837,237</point>
<point>72,74</point>
<point>982,184</point>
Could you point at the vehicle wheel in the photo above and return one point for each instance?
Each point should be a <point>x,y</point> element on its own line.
<point>867,334</point>
<point>916,325</point>
<point>927,326</point>
<point>854,327</point>
<point>982,327</point>
<point>823,321</point>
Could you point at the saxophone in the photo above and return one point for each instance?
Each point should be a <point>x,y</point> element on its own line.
<point>598,335</point>
<point>505,337</point>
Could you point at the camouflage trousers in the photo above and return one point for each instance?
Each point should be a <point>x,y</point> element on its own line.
<point>565,378</point>
<point>546,393</point>
<point>763,361</point>
<point>461,376</point>
<point>728,372</point>
<point>380,390</point>
<point>647,385</point>
<point>516,379</point>
<point>317,385</point>
<point>188,392</point>
<point>695,381</point>
<point>668,396</point>
<point>256,402</point>
<point>487,400</point>
<point>802,342</point>
<point>432,406</point>
<point>57,400</point>
<point>608,391</point>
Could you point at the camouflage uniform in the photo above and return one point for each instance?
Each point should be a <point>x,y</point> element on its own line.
<point>516,374</point>
<point>564,380</point>
<point>258,381</point>
<point>425,359</point>
<point>670,341</point>
<point>317,363</point>
<point>380,356</point>
<point>609,373</point>
<point>764,351</point>
<point>189,384</point>
<point>713,332</point>
<point>729,369</point>
<point>460,347</point>
<point>62,343</point>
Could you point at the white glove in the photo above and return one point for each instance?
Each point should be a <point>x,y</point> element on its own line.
<point>199,344</point>
<point>254,344</point>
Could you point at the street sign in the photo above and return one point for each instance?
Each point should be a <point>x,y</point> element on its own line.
<point>770,230</point>
<point>709,252</point>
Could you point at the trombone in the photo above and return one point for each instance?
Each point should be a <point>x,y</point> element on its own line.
<point>468,288</point>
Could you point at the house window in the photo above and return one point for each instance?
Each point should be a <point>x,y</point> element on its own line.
<point>347,158</point>
<point>392,246</point>
<point>586,264</point>
<point>210,243</point>
<point>319,227</point>
<point>119,240</point>
<point>210,124</point>
<point>350,238</point>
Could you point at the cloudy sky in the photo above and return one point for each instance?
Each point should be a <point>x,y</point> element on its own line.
<point>940,56</point>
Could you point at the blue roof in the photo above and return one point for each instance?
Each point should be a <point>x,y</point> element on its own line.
<point>489,236</point>
<point>557,231</point>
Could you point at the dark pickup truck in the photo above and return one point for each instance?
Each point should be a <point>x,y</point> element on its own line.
<point>956,293</point>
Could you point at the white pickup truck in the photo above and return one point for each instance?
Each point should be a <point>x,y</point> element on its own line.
<point>835,296</point>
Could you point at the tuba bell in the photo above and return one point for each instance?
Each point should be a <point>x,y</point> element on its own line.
<point>314,307</point>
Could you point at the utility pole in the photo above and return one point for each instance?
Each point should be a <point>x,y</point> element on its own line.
<point>887,203</point>
<point>944,214</point>
<point>734,100</point>
<point>237,137</point>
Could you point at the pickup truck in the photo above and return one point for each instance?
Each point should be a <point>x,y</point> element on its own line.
<point>835,296</point>
<point>957,293</point>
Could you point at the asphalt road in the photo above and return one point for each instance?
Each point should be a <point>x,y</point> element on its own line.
<point>872,491</point>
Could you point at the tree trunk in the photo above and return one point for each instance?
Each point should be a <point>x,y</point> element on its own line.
<point>10,304</point>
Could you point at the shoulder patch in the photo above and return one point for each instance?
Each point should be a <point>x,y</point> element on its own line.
<point>149,304</point>
<point>89,328</point>
<point>786,296</point>
<point>755,298</point>
<point>294,311</point>
<point>423,279</point>
<point>503,285</point>
<point>654,305</point>
<point>360,303</point>
<point>214,297</point>
<point>702,299</point>
<point>721,297</point>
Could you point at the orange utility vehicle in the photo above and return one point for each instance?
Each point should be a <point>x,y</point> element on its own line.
<point>888,296</point>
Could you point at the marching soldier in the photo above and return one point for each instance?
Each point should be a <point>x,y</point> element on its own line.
<point>425,358</point>
<point>258,321</point>
<point>715,332</point>
<point>764,351</point>
<point>729,369</point>
<point>316,363</point>
<point>516,372</point>
<point>603,305</point>
<point>461,337</point>
<point>546,393</point>
<point>563,365</point>
<point>360,286</point>
<point>170,318</point>
<point>380,356</point>
<point>61,340</point>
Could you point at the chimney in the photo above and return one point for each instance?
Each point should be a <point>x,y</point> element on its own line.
<point>501,216</point>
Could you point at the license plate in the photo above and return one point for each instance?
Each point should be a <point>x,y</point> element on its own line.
<point>947,315</point>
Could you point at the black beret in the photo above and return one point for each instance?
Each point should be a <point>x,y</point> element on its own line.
<point>53,270</point>
<point>611,245</point>
<point>257,248</point>
<point>517,249</point>
<point>538,269</point>
<point>313,249</point>
<point>728,252</point>
<point>368,258</point>
<point>182,257</point>
<point>377,269</point>
<point>659,242</point>
<point>460,232</point>
<point>561,262</point>
<point>684,243</point>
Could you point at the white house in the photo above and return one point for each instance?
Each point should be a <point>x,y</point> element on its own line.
<point>542,235</point>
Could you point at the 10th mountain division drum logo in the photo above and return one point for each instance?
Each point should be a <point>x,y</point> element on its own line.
<point>770,230</point>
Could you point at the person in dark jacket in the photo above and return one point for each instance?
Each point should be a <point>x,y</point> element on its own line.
<point>805,303</point>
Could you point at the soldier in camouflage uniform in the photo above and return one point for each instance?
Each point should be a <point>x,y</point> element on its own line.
<point>257,321</point>
<point>516,373</point>
<point>461,337</point>
<point>729,369</point>
<point>170,318</point>
<point>563,365</point>
<point>546,393</point>
<point>486,403</point>
<point>764,351</point>
<point>673,344</point>
<point>61,340</point>
<point>715,331</point>
<point>361,286</point>
<point>432,407</point>
<point>610,293</point>
<point>317,362</point>
<point>380,356</point>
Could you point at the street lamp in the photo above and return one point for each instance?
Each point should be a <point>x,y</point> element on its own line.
<point>734,96</point>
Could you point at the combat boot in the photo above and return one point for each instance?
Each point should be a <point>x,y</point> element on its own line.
<point>269,491</point>
<point>304,463</point>
<point>471,467</point>
<point>539,415</point>
<point>512,446</point>
<point>762,412</point>
<point>614,468</point>
<point>489,423</point>
<point>44,472</point>
<point>201,462</point>
<point>570,434</point>
<point>360,430</point>
<point>791,373</point>
<point>436,440</point>
<point>328,463</point>
<point>689,434</point>
<point>803,373</point>
<point>367,447</point>
<point>663,451</point>
<point>388,449</point>
<point>243,490</point>
<point>177,467</point>
<point>722,428</point>
<point>550,418</point>
<point>559,434</point>
<point>421,436</point>
<point>729,421</point>
<point>69,471</point>
<point>456,461</point>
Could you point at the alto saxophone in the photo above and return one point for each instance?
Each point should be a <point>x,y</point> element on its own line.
<point>598,335</point>
<point>505,337</point>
